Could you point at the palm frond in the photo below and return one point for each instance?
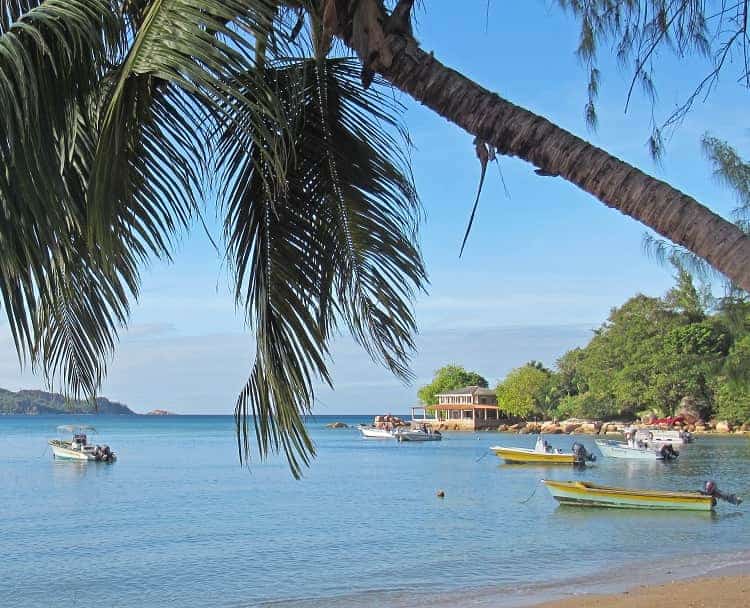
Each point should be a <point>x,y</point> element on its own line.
<point>171,88</point>
<point>51,56</point>
<point>335,245</point>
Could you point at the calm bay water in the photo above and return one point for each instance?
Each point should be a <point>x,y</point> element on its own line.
<point>177,523</point>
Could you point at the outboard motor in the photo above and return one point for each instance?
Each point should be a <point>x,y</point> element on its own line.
<point>668,452</point>
<point>710,489</point>
<point>582,456</point>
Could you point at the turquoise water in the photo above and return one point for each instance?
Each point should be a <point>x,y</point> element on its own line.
<point>177,523</point>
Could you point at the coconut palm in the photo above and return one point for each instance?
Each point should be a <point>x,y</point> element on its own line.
<point>124,117</point>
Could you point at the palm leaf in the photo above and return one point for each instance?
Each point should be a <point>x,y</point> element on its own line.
<point>167,95</point>
<point>335,245</point>
<point>51,56</point>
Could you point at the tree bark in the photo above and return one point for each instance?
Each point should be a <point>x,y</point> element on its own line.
<point>514,131</point>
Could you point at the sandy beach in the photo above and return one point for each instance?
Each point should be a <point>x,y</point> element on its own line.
<point>709,592</point>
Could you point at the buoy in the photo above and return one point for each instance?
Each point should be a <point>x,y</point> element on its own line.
<point>440,494</point>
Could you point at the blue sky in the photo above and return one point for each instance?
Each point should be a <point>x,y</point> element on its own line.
<point>542,268</point>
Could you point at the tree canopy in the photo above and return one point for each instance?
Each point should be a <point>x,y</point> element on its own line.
<point>448,378</point>
<point>525,391</point>
<point>651,355</point>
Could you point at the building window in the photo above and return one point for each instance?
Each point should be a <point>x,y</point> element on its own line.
<point>468,414</point>
<point>492,414</point>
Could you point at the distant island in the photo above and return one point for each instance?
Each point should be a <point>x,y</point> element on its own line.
<point>160,413</point>
<point>35,403</point>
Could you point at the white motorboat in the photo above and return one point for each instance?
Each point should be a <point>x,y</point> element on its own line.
<point>634,451</point>
<point>417,435</point>
<point>373,432</point>
<point>79,448</point>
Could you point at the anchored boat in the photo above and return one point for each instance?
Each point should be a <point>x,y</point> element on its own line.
<point>79,448</point>
<point>373,432</point>
<point>585,494</point>
<point>417,435</point>
<point>632,451</point>
<point>544,454</point>
<point>638,445</point>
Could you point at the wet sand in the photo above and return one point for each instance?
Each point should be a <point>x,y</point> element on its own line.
<point>708,592</point>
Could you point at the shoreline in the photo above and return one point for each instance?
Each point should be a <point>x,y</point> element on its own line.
<point>698,580</point>
<point>714,591</point>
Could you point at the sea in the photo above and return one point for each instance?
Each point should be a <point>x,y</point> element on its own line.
<point>177,522</point>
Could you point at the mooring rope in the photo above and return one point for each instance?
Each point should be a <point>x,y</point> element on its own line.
<point>480,458</point>
<point>530,496</point>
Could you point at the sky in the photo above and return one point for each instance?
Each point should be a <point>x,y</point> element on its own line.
<point>545,262</point>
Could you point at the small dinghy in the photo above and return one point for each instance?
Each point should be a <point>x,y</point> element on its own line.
<point>585,494</point>
<point>79,448</point>
<point>543,453</point>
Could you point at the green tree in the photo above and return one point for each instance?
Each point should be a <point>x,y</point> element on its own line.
<point>123,116</point>
<point>447,378</point>
<point>733,402</point>
<point>525,391</point>
<point>685,298</point>
<point>649,356</point>
<point>585,405</point>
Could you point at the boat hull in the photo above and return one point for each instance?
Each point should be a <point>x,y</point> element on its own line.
<point>417,436</point>
<point>613,449</point>
<point>375,433</point>
<point>583,494</point>
<point>525,456</point>
<point>61,452</point>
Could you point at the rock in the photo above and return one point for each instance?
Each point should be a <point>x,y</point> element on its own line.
<point>700,428</point>
<point>746,426</point>
<point>589,428</point>
<point>723,426</point>
<point>516,427</point>
<point>613,433</point>
<point>689,410</point>
<point>551,428</point>
<point>502,428</point>
<point>570,427</point>
<point>337,425</point>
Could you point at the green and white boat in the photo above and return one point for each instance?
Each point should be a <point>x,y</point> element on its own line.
<point>79,448</point>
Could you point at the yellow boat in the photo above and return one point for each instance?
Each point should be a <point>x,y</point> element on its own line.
<point>543,454</point>
<point>582,493</point>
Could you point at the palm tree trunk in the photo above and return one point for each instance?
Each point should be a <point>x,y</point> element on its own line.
<point>514,131</point>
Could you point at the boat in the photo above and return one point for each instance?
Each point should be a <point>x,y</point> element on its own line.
<point>417,435</point>
<point>373,432</point>
<point>638,445</point>
<point>634,451</point>
<point>79,448</point>
<point>586,494</point>
<point>544,454</point>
